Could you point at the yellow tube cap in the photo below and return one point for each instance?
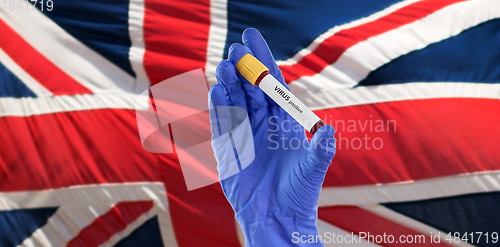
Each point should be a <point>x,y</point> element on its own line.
<point>251,68</point>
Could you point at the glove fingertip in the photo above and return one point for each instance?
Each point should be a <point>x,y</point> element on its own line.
<point>323,144</point>
<point>236,52</point>
<point>217,96</point>
<point>225,73</point>
<point>223,67</point>
<point>250,34</point>
<point>327,130</point>
<point>254,40</point>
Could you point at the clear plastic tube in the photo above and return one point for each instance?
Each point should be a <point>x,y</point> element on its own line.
<point>258,74</point>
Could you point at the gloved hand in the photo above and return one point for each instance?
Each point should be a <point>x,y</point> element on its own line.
<point>277,194</point>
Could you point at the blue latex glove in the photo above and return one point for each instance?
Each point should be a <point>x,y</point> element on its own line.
<point>277,194</point>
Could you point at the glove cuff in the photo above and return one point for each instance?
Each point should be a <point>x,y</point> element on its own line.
<point>276,230</point>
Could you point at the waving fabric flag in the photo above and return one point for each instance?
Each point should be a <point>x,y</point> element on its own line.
<point>412,87</point>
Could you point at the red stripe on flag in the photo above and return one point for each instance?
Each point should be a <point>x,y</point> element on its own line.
<point>110,223</point>
<point>433,138</point>
<point>332,48</point>
<point>354,219</point>
<point>176,37</point>
<point>73,148</point>
<point>103,146</point>
<point>38,66</point>
<point>417,139</point>
<point>200,217</point>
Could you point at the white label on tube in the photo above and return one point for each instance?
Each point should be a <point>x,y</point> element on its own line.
<point>284,98</point>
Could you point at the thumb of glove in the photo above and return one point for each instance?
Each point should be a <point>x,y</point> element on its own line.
<point>312,169</point>
<point>320,152</point>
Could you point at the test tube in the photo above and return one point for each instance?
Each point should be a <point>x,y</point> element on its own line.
<point>258,74</point>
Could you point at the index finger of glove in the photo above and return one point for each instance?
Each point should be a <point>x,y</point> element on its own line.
<point>254,95</point>
<point>258,45</point>
<point>226,76</point>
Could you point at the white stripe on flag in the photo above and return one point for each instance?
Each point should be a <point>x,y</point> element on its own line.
<point>29,81</point>
<point>23,107</point>
<point>130,228</point>
<point>411,223</point>
<point>411,190</point>
<point>138,48</point>
<point>359,60</point>
<point>336,29</point>
<point>326,99</point>
<point>75,197</point>
<point>325,227</point>
<point>73,57</point>
<point>216,38</point>
<point>64,225</point>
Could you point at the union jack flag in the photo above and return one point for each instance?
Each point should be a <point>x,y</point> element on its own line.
<point>412,87</point>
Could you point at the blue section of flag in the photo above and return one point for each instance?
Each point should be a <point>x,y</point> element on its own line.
<point>100,24</point>
<point>146,235</point>
<point>464,214</point>
<point>11,86</point>
<point>289,26</point>
<point>471,56</point>
<point>17,225</point>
